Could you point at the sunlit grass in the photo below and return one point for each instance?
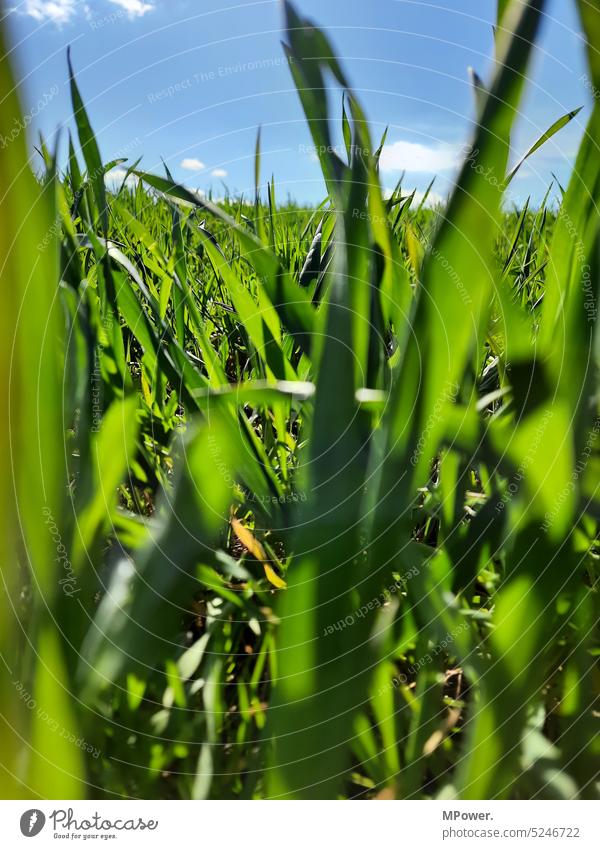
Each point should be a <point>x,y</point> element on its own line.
<point>302,503</point>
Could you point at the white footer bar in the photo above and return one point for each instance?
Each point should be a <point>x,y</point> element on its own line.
<point>306,825</point>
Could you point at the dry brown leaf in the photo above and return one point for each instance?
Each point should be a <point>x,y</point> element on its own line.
<point>249,541</point>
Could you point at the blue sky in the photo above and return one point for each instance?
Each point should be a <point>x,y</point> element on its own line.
<point>190,81</point>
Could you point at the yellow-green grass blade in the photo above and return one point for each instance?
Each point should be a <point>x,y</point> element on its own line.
<point>34,483</point>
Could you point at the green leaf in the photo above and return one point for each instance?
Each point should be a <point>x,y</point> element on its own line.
<point>89,149</point>
<point>551,131</point>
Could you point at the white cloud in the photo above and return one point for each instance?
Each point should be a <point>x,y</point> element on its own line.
<point>114,179</point>
<point>115,174</point>
<point>62,11</point>
<point>192,164</point>
<point>59,11</point>
<point>134,8</point>
<point>219,172</point>
<point>419,158</point>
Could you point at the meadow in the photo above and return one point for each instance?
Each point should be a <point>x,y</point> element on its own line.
<point>301,503</point>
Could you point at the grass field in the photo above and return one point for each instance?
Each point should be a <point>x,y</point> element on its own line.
<point>301,503</point>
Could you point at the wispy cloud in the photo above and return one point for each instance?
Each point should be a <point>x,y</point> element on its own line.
<point>59,11</point>
<point>419,158</point>
<point>62,11</point>
<point>219,172</point>
<point>134,8</point>
<point>192,164</point>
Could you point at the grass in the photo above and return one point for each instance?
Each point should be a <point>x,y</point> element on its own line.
<point>301,503</point>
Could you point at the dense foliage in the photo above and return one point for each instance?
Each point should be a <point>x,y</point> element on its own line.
<point>301,503</point>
